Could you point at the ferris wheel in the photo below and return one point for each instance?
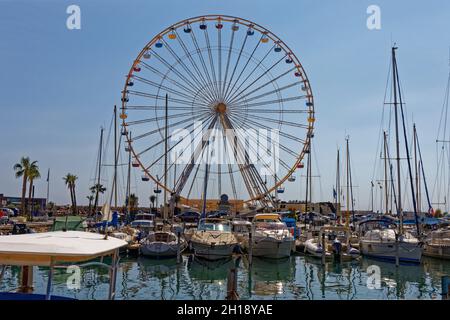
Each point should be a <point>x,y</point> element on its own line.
<point>202,78</point>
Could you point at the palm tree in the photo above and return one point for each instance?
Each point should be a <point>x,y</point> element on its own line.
<point>22,169</point>
<point>152,200</point>
<point>33,174</point>
<point>90,198</point>
<point>70,179</point>
<point>97,188</point>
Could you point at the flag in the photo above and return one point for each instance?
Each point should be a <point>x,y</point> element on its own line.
<point>334,193</point>
<point>48,175</point>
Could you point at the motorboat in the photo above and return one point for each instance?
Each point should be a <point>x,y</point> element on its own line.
<point>380,239</point>
<point>241,230</point>
<point>162,244</point>
<point>333,242</point>
<point>143,222</point>
<point>213,239</point>
<point>437,244</point>
<point>271,238</point>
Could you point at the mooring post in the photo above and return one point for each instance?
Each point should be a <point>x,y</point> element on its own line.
<point>178,246</point>
<point>445,281</point>
<point>26,281</point>
<point>250,248</point>
<point>324,249</point>
<point>232,285</point>
<point>397,259</point>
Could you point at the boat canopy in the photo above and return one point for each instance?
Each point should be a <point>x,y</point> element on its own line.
<point>267,216</point>
<point>44,249</point>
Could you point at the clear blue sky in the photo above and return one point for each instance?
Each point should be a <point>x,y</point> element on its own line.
<point>59,86</point>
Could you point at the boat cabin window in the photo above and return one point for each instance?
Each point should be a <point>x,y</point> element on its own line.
<point>208,226</point>
<point>144,216</point>
<point>272,225</point>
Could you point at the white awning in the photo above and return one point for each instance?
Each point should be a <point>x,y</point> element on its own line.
<point>42,249</point>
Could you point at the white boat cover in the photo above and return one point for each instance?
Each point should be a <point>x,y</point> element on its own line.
<point>43,249</point>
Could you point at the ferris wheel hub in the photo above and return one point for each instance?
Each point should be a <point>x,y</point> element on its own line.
<point>221,107</point>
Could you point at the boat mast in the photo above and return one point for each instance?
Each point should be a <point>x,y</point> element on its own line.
<point>416,166</point>
<point>410,175</point>
<point>129,181</point>
<point>386,188</point>
<point>116,152</point>
<point>99,169</point>
<point>397,142</point>
<point>165,158</point>
<point>308,167</point>
<point>338,186</point>
<point>347,218</point>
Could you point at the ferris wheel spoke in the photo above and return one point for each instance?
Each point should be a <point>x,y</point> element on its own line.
<point>280,132</point>
<point>275,111</point>
<point>150,120</point>
<point>171,148</point>
<point>252,149</point>
<point>149,133</point>
<point>219,54</point>
<point>202,61</point>
<point>176,83</point>
<point>181,181</point>
<point>155,107</point>
<point>191,59</point>
<point>181,76</point>
<point>235,65</point>
<point>251,177</point>
<point>161,97</point>
<point>282,122</point>
<point>206,84</point>
<point>274,101</point>
<point>244,68</point>
<point>211,62</point>
<point>253,140</point>
<point>230,48</point>
<point>160,86</point>
<point>233,97</point>
<point>277,90</point>
<point>182,152</point>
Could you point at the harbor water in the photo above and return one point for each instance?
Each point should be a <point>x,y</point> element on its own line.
<point>298,277</point>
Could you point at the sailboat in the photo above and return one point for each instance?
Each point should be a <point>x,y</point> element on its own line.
<point>380,238</point>
<point>162,244</point>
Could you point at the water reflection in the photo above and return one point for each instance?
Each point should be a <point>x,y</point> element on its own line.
<point>298,277</point>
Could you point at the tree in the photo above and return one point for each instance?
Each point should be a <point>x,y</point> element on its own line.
<point>70,179</point>
<point>152,200</point>
<point>33,174</point>
<point>97,188</point>
<point>90,198</point>
<point>133,202</point>
<point>22,169</point>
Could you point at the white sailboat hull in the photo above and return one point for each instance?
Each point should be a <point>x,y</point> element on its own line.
<point>407,251</point>
<point>160,249</point>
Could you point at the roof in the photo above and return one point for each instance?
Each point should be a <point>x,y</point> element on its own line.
<point>40,249</point>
